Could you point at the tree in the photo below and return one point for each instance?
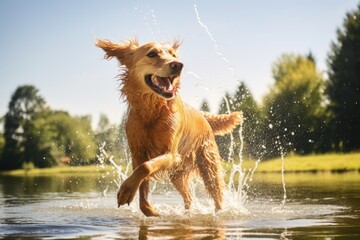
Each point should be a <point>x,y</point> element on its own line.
<point>343,87</point>
<point>225,142</point>
<point>70,137</point>
<point>253,124</point>
<point>123,143</point>
<point>295,106</point>
<point>24,106</point>
<point>2,139</point>
<point>104,123</point>
<point>243,101</point>
<point>108,138</point>
<point>205,106</point>
<point>38,135</point>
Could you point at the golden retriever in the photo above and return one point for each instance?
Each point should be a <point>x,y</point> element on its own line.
<point>165,135</point>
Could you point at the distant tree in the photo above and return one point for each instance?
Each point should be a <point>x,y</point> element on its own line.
<point>123,143</point>
<point>205,106</point>
<point>74,137</point>
<point>40,148</point>
<point>24,106</point>
<point>311,57</point>
<point>226,104</point>
<point>104,123</point>
<point>253,124</point>
<point>343,86</point>
<point>38,135</point>
<point>2,139</point>
<point>294,107</point>
<point>108,138</point>
<point>224,142</point>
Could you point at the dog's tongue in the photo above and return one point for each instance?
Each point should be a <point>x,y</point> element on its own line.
<point>163,83</point>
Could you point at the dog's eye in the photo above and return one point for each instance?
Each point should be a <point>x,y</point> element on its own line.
<point>152,54</point>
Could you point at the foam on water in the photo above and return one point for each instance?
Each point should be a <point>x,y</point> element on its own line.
<point>173,205</point>
<point>169,205</point>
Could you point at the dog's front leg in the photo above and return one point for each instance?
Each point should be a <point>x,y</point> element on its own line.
<point>129,187</point>
<point>145,206</point>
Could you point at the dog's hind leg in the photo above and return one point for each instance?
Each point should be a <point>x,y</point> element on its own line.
<point>180,179</point>
<point>145,206</point>
<point>208,163</point>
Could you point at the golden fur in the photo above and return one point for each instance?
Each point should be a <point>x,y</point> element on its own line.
<point>165,134</point>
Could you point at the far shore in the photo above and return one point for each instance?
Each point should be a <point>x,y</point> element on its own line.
<point>330,163</point>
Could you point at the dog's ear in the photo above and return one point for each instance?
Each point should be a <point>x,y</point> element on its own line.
<point>176,44</point>
<point>122,51</point>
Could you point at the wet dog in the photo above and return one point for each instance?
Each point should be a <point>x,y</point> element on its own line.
<point>164,134</point>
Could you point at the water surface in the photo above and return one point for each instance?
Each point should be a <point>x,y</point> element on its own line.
<point>318,206</point>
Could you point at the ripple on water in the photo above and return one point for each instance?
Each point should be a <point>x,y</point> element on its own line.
<point>98,217</point>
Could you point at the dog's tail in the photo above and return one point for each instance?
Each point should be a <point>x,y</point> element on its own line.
<point>223,123</point>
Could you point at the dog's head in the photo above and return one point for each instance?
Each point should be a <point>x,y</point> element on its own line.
<point>153,67</point>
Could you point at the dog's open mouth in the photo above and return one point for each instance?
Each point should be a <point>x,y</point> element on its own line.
<point>162,85</point>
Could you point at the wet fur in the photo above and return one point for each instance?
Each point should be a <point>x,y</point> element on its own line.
<point>165,134</point>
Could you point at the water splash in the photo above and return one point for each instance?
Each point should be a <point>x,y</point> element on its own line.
<point>216,46</point>
<point>150,19</point>
<point>282,155</point>
<point>154,21</point>
<point>200,80</point>
<point>231,147</point>
<point>241,138</point>
<point>237,179</point>
<point>103,157</point>
<point>283,179</point>
<point>254,169</point>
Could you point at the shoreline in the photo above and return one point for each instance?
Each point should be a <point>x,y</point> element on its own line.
<point>326,163</point>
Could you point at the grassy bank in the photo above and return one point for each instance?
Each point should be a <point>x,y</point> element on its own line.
<point>58,170</point>
<point>312,163</point>
<point>297,164</point>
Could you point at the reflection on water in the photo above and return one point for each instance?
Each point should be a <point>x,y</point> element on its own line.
<point>319,206</point>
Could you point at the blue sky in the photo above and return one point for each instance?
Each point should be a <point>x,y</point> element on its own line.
<point>50,44</point>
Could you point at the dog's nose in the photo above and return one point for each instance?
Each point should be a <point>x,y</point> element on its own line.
<point>176,67</point>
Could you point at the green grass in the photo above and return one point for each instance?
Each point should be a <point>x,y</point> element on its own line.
<point>297,164</point>
<point>311,163</point>
<point>59,170</point>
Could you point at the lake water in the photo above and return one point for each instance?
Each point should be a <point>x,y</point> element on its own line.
<point>318,206</point>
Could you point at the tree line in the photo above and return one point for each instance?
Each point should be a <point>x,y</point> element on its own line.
<point>37,136</point>
<point>304,112</point>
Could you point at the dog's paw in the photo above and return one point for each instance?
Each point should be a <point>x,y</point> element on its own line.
<point>238,117</point>
<point>149,211</point>
<point>126,193</point>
